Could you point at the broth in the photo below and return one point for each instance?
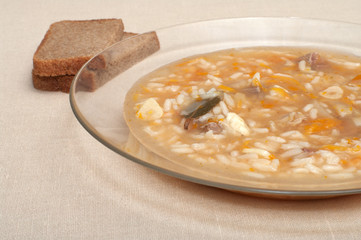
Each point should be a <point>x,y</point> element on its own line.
<point>260,112</point>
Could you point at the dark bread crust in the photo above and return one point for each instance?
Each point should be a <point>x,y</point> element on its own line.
<point>98,62</point>
<point>51,59</point>
<point>121,57</point>
<point>56,83</point>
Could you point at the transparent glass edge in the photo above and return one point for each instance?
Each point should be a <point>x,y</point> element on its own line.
<point>114,148</point>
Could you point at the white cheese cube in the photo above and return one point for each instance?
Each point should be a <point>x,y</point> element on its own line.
<point>237,124</point>
<point>150,110</point>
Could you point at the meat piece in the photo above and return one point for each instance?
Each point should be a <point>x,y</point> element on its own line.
<point>315,61</point>
<point>309,150</point>
<point>215,127</point>
<point>251,90</point>
<point>187,122</point>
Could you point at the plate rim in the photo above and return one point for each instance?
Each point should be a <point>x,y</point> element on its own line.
<point>244,189</point>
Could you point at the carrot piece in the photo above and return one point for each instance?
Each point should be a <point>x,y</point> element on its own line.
<point>358,77</point>
<point>266,105</point>
<point>335,148</point>
<point>246,144</point>
<point>146,90</point>
<point>201,73</point>
<point>136,96</point>
<point>343,162</point>
<point>285,78</point>
<point>287,82</point>
<point>280,92</point>
<point>263,65</point>
<point>226,88</point>
<point>356,162</point>
<point>185,62</point>
<point>319,125</point>
<point>139,115</point>
<point>311,95</point>
<point>356,80</point>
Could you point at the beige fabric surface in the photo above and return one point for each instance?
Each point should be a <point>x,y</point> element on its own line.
<point>58,182</point>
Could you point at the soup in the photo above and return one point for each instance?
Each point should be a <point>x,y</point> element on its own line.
<point>258,112</point>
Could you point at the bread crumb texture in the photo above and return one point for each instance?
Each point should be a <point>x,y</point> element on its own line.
<point>67,45</point>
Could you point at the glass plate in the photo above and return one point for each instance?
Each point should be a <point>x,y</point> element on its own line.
<point>98,90</point>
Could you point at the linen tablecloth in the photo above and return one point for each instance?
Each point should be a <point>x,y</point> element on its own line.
<point>58,182</point>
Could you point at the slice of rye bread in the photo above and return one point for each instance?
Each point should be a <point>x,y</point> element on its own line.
<point>55,83</point>
<point>63,82</point>
<point>67,45</point>
<point>115,60</point>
